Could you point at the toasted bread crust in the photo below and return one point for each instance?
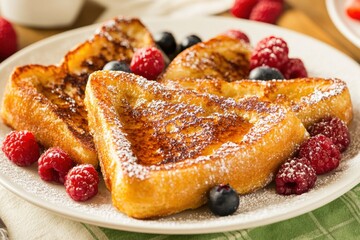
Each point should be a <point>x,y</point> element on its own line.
<point>48,100</point>
<point>117,103</point>
<point>220,57</point>
<point>311,99</point>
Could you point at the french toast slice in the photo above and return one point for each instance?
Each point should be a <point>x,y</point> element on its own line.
<point>221,66</point>
<point>311,99</point>
<point>220,57</point>
<point>162,149</point>
<point>48,100</point>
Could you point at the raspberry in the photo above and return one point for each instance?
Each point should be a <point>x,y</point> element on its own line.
<point>271,51</point>
<point>353,9</point>
<point>147,62</point>
<point>333,128</point>
<point>294,68</point>
<point>322,153</point>
<point>54,164</point>
<point>266,11</point>
<point>21,148</point>
<point>243,8</point>
<point>237,35</point>
<point>81,182</point>
<point>295,176</point>
<point>8,39</point>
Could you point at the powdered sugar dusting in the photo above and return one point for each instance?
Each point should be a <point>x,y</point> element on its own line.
<point>169,131</point>
<point>320,95</point>
<point>254,207</point>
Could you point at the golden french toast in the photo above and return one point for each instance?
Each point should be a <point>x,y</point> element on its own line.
<point>162,149</point>
<point>48,100</point>
<point>220,66</point>
<point>220,57</point>
<point>311,99</point>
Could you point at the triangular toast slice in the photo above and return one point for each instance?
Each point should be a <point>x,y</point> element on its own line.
<point>220,57</point>
<point>311,99</point>
<point>48,100</point>
<point>220,66</point>
<point>162,149</point>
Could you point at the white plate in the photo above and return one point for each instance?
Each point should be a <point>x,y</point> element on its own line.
<point>349,27</point>
<point>260,208</point>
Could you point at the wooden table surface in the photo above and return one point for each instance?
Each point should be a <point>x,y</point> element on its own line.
<point>306,16</point>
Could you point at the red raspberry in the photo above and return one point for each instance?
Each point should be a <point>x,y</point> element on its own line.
<point>353,9</point>
<point>147,62</point>
<point>243,8</point>
<point>295,176</point>
<point>294,68</point>
<point>8,39</point>
<point>237,34</point>
<point>333,128</point>
<point>270,51</point>
<point>266,11</point>
<point>322,153</point>
<point>81,182</point>
<point>21,148</point>
<point>54,164</point>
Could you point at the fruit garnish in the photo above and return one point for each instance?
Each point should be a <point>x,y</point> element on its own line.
<point>117,66</point>
<point>271,51</point>
<point>295,176</point>
<point>54,164</point>
<point>322,153</point>
<point>147,62</point>
<point>265,73</point>
<point>166,41</point>
<point>237,34</point>
<point>333,128</point>
<point>189,41</point>
<point>81,182</point>
<point>21,148</point>
<point>223,200</point>
<point>294,68</point>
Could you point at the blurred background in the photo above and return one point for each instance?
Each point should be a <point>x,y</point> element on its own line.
<point>37,19</point>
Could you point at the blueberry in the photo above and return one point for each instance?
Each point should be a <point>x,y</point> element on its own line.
<point>265,73</point>
<point>189,41</point>
<point>223,200</point>
<point>117,66</point>
<point>166,41</point>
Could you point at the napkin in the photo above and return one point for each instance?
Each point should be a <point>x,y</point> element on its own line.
<point>339,219</point>
<point>169,8</point>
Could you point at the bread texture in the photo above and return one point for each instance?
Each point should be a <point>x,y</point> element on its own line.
<point>311,99</point>
<point>162,149</point>
<point>48,100</point>
<point>220,57</point>
<point>221,66</point>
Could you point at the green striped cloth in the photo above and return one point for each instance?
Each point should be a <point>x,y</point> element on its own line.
<point>340,219</point>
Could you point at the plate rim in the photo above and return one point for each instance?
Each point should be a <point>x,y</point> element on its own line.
<point>151,229</point>
<point>339,23</point>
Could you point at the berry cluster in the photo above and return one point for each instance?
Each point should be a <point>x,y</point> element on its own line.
<point>54,165</point>
<point>320,154</point>
<point>273,52</point>
<point>149,62</point>
<point>267,11</point>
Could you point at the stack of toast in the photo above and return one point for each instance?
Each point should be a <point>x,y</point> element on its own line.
<point>162,145</point>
